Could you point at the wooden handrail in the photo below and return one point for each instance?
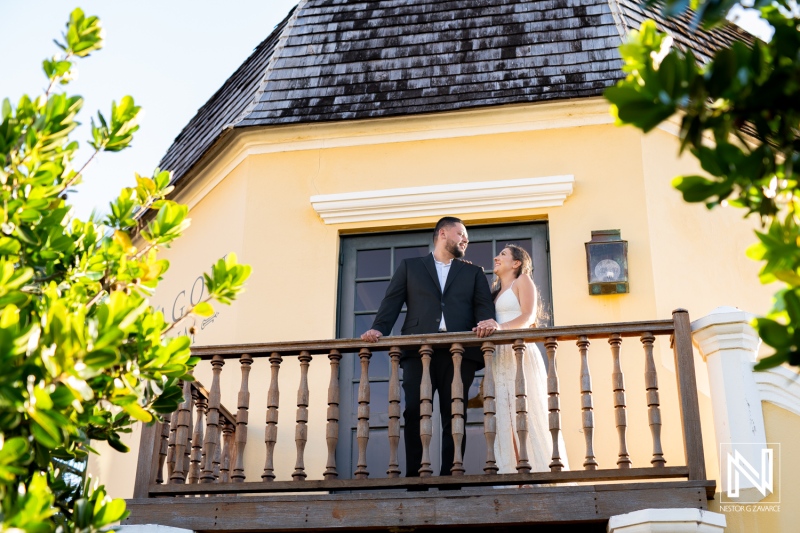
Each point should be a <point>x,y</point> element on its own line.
<point>154,448</point>
<point>562,333</point>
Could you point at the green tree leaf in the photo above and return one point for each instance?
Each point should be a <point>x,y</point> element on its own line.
<point>84,355</point>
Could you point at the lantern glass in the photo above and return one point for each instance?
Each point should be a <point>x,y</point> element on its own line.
<point>607,263</point>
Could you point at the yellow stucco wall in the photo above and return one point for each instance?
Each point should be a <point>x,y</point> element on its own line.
<point>779,510</point>
<point>679,254</point>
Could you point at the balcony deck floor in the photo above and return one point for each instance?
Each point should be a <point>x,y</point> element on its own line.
<point>486,507</point>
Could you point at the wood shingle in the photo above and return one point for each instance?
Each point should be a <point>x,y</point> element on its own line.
<point>333,60</point>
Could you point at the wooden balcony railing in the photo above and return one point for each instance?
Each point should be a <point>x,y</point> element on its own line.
<point>180,437</point>
<point>174,461</point>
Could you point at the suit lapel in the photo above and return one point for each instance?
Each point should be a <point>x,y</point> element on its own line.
<point>455,268</point>
<point>431,268</point>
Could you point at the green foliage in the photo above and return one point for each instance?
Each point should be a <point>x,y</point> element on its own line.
<point>740,115</point>
<point>83,353</point>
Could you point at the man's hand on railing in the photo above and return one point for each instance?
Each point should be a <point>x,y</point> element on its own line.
<point>486,327</point>
<point>371,336</point>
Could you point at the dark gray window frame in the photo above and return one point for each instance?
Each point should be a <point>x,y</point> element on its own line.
<point>499,235</point>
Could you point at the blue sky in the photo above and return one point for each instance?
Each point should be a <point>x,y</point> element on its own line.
<point>170,55</point>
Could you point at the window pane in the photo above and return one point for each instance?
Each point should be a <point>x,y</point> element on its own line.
<point>408,253</point>
<point>373,263</point>
<point>475,456</point>
<point>363,323</point>
<point>480,253</point>
<point>378,453</point>
<point>525,244</point>
<point>369,294</point>
<point>379,366</point>
<point>378,397</point>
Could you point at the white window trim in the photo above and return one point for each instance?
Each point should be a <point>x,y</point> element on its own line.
<point>436,200</point>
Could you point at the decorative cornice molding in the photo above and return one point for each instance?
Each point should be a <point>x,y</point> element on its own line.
<point>247,142</point>
<point>781,386</point>
<point>433,200</point>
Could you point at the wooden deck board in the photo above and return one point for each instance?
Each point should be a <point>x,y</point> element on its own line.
<point>586,476</point>
<point>374,510</point>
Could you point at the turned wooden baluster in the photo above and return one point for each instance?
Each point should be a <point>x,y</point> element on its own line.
<point>426,411</point>
<point>553,402</point>
<point>618,381</point>
<point>188,448</point>
<point>242,417</point>
<point>301,429</point>
<point>457,396</point>
<point>196,456</point>
<point>489,408</point>
<point>218,453</point>
<point>523,464</point>
<point>271,431</point>
<point>362,431</point>
<point>332,429</point>
<point>228,447</point>
<point>212,422</point>
<point>173,430</point>
<point>162,449</point>
<point>653,410</point>
<point>178,475</point>
<point>394,412</point>
<point>590,463</point>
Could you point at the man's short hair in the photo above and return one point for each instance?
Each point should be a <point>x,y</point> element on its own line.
<point>445,222</point>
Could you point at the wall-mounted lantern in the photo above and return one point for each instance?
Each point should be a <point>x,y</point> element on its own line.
<point>607,263</point>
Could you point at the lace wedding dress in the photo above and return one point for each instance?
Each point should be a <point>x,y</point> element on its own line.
<point>540,442</point>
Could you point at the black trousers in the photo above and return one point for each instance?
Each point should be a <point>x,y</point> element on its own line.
<point>441,379</point>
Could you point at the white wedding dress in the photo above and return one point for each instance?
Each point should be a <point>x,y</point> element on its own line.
<point>540,442</point>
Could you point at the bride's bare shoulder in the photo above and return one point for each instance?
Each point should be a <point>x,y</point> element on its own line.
<point>524,282</point>
<point>524,289</point>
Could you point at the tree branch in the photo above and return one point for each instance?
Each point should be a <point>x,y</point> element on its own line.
<point>184,316</point>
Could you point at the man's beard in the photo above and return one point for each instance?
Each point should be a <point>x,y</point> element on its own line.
<point>453,248</point>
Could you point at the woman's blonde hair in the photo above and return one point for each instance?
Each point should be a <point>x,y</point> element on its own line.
<point>519,253</point>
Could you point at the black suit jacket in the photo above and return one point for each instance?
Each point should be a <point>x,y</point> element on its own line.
<point>465,301</point>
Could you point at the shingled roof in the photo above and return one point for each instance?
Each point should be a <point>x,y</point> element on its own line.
<point>227,104</point>
<point>332,60</point>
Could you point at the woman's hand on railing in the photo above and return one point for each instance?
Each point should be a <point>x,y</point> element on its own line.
<point>486,327</point>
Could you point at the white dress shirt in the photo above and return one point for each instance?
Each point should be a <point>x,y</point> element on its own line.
<point>442,269</point>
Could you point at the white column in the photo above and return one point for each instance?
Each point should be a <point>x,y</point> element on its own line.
<point>667,521</point>
<point>729,346</point>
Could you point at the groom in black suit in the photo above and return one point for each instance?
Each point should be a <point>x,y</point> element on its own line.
<point>442,293</point>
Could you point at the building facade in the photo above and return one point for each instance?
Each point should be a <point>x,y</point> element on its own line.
<point>337,145</point>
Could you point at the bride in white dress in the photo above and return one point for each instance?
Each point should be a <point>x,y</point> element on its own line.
<point>515,306</point>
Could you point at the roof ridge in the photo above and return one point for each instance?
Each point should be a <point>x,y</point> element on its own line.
<point>619,19</point>
<point>270,65</point>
